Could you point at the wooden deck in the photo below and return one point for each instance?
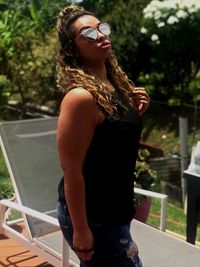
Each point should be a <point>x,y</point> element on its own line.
<point>14,255</point>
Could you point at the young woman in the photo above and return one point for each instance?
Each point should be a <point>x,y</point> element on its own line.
<point>98,135</point>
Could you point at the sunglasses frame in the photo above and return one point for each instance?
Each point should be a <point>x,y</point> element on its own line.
<point>96,30</point>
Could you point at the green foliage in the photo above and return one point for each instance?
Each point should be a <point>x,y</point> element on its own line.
<point>99,7</point>
<point>171,29</point>
<point>28,43</point>
<point>4,94</point>
<point>6,189</point>
<point>40,14</point>
<point>3,169</point>
<point>145,177</point>
<point>44,13</point>
<point>28,48</point>
<point>168,66</point>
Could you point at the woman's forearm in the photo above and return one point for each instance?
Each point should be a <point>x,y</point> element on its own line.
<point>75,196</point>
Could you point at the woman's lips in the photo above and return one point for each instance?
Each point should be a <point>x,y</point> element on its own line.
<point>105,45</point>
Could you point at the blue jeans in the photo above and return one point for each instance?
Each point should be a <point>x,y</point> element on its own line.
<point>113,246</point>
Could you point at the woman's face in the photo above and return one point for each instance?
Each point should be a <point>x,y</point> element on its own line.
<point>91,39</point>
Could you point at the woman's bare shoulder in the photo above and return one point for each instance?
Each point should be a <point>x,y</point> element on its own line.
<point>80,102</point>
<point>78,96</point>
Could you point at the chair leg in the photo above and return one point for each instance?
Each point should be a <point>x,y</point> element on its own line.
<point>65,253</point>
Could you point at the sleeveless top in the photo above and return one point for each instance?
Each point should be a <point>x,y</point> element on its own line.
<point>109,168</point>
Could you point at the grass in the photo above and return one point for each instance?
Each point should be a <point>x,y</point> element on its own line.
<point>176,219</point>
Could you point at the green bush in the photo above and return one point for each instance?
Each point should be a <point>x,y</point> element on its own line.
<point>6,190</point>
<point>145,177</point>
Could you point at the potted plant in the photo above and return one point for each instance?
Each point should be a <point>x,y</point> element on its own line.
<point>145,178</point>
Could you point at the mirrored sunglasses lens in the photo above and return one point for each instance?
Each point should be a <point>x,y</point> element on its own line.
<point>90,34</point>
<point>104,28</point>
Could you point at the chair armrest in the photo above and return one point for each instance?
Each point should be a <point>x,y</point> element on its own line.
<point>65,261</point>
<point>36,214</point>
<point>163,199</point>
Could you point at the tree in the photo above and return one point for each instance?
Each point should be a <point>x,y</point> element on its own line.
<point>99,7</point>
<point>172,30</point>
<point>28,48</point>
<point>12,45</point>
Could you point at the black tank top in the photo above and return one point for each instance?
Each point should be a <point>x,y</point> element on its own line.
<point>109,168</point>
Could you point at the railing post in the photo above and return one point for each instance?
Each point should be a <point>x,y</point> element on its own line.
<point>163,214</point>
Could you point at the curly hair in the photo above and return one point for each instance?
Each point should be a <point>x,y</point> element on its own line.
<point>71,74</point>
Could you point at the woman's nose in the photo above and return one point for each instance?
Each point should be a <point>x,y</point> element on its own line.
<point>100,35</point>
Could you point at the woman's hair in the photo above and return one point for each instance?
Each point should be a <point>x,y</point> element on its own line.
<point>71,74</point>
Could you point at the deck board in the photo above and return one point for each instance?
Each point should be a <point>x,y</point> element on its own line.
<point>13,254</point>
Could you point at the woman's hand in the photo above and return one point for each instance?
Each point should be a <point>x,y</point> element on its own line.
<point>141,100</point>
<point>83,244</point>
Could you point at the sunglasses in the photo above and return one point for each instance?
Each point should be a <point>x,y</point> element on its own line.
<point>91,34</point>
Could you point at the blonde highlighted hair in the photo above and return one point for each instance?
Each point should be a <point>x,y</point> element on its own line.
<point>71,74</point>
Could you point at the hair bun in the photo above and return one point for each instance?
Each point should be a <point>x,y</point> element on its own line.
<point>67,14</point>
<point>68,10</point>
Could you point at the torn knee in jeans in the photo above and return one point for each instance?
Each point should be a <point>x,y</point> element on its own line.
<point>132,254</point>
<point>132,250</point>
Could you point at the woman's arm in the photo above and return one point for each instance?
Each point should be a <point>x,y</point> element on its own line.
<point>78,118</point>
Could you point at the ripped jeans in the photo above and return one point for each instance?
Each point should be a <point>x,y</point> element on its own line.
<point>113,246</point>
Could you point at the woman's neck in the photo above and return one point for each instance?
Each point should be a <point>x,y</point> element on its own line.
<point>98,70</point>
